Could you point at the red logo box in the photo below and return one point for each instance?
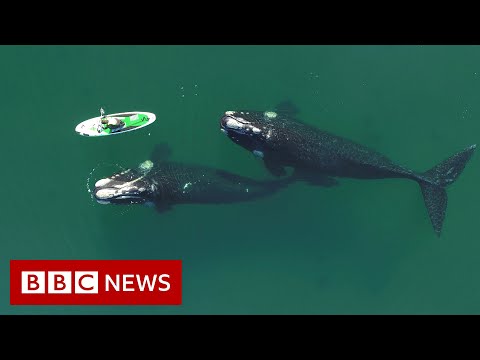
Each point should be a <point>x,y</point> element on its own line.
<point>95,282</point>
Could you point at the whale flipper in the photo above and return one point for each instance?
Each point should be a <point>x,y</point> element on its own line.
<point>287,108</point>
<point>275,168</point>
<point>160,153</point>
<point>162,207</point>
<point>315,178</point>
<point>440,176</point>
<point>231,177</point>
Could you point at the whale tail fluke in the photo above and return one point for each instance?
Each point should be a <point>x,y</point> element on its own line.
<point>435,198</point>
<point>439,177</point>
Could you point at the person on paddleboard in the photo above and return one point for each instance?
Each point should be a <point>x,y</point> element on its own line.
<point>108,122</point>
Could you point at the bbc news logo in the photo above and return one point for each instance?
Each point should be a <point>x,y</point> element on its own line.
<point>95,282</point>
<point>59,282</point>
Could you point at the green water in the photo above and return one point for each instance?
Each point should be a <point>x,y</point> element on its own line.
<point>364,247</point>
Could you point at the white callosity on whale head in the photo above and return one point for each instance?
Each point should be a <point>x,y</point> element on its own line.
<point>146,166</point>
<point>238,124</point>
<point>269,115</point>
<point>234,124</point>
<point>231,123</point>
<point>130,189</point>
<point>102,182</point>
<point>105,193</point>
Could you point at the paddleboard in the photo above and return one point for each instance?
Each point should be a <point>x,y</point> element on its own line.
<point>113,124</point>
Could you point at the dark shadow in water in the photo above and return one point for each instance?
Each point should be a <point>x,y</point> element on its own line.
<point>161,152</point>
<point>287,108</point>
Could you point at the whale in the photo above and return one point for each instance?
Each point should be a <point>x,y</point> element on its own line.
<point>283,141</point>
<point>163,184</point>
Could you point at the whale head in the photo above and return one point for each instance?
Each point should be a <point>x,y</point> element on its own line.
<point>249,129</point>
<point>131,186</point>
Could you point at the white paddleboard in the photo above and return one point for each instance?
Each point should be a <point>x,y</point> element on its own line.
<point>118,123</point>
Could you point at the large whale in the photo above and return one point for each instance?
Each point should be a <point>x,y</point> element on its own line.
<point>283,141</point>
<point>165,183</point>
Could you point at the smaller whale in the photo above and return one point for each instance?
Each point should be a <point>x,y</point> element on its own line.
<point>165,184</point>
<point>281,140</point>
